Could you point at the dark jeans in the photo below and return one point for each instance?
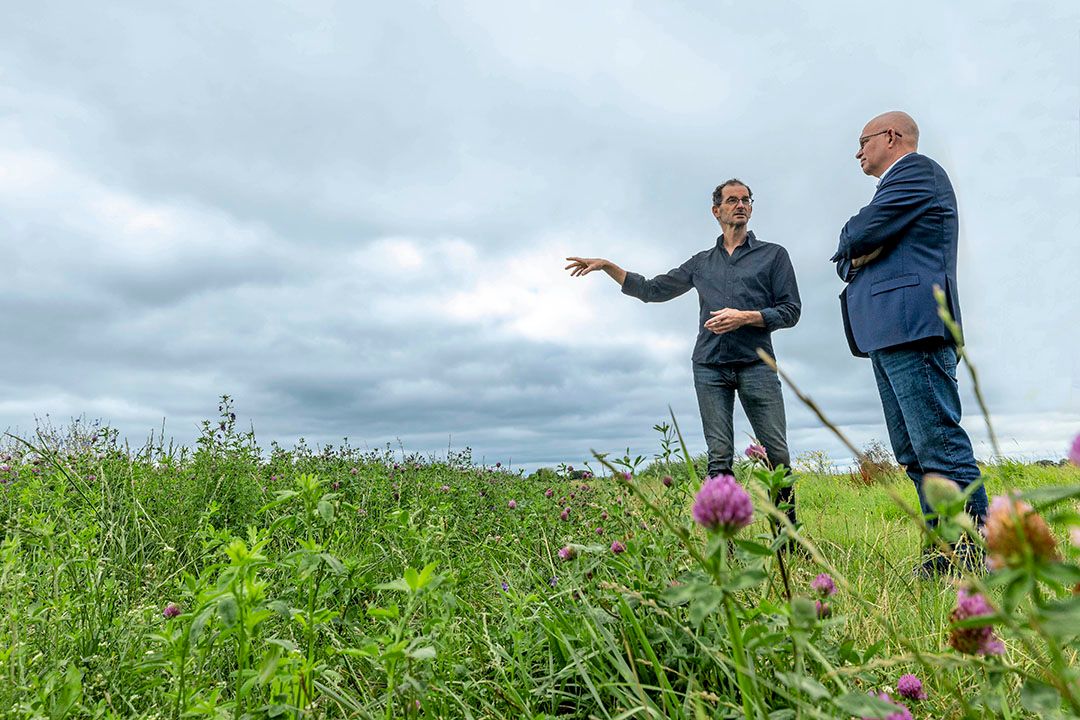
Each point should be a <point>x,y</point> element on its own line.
<point>758,388</point>
<point>921,399</point>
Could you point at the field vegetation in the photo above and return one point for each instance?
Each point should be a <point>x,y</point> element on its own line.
<point>234,581</point>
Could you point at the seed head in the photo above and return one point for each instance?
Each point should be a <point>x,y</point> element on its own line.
<point>1012,524</point>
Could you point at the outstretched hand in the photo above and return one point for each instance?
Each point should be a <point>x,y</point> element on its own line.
<point>584,266</point>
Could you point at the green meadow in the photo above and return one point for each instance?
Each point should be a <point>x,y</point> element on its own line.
<point>233,581</point>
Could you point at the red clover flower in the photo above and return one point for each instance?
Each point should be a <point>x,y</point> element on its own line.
<point>171,610</point>
<point>973,640</point>
<point>722,505</point>
<point>910,687</point>
<point>757,452</point>
<point>902,713</point>
<point>617,547</point>
<point>823,585</point>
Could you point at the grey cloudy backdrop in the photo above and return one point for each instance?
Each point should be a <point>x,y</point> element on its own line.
<point>352,217</point>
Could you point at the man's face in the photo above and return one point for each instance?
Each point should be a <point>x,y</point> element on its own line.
<point>734,208</point>
<point>876,145</point>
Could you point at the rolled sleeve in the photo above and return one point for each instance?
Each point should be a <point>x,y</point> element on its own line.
<point>787,306</point>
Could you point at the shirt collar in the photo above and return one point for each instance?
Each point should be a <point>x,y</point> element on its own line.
<point>750,242</point>
<point>884,174</point>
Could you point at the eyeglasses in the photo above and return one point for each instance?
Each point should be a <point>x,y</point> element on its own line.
<point>734,201</point>
<point>866,138</point>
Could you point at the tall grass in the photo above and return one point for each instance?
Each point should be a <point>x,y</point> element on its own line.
<point>331,582</point>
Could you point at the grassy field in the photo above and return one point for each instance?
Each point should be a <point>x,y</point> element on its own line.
<point>228,581</point>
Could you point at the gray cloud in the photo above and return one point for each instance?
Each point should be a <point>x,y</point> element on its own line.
<point>353,218</point>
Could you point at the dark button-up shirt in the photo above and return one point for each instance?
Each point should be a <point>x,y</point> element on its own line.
<point>756,276</point>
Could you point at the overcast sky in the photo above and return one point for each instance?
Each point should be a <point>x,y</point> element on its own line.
<point>352,217</point>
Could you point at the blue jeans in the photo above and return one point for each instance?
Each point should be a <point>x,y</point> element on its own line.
<point>921,399</point>
<point>758,388</point>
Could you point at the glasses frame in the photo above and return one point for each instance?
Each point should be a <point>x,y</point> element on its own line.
<point>866,138</point>
<point>748,202</point>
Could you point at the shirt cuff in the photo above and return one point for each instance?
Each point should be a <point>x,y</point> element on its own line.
<point>771,318</point>
<point>633,285</point>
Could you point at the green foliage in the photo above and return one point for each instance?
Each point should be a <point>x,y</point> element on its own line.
<point>335,583</point>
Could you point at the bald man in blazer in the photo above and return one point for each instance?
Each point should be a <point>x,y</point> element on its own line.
<point>891,255</point>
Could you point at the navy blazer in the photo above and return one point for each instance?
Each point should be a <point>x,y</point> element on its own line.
<point>912,219</point>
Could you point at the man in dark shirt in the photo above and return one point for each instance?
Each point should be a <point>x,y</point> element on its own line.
<point>746,289</point>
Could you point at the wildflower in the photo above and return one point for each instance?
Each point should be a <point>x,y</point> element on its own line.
<point>273,478</point>
<point>1074,451</point>
<point>973,640</point>
<point>757,452</point>
<point>668,481</point>
<point>548,493</point>
<point>445,488</point>
<point>1004,538</point>
<point>599,531</point>
<point>1074,535</point>
<point>505,586</point>
<point>512,504</point>
<point>552,581</point>
<point>91,477</point>
<point>335,485</point>
<point>604,515</point>
<point>823,610</point>
<point>498,465</point>
<point>910,687</point>
<point>824,585</point>
<point>5,468</point>
<point>902,712</point>
<point>617,547</point>
<point>566,553</point>
<point>627,476</point>
<point>171,610</point>
<point>354,471</point>
<point>722,505</point>
<point>586,475</point>
<point>565,515</point>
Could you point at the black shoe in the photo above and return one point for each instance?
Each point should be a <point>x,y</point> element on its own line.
<point>934,565</point>
<point>967,558</point>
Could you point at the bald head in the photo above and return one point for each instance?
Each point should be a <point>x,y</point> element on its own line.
<point>902,123</point>
<point>884,140</point>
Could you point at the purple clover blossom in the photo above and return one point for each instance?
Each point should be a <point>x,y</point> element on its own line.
<point>505,586</point>
<point>548,493</point>
<point>512,504</point>
<point>565,515</point>
<point>902,713</point>
<point>722,505</point>
<point>822,609</point>
<point>354,471</point>
<point>552,582</point>
<point>910,687</point>
<point>599,531</point>
<point>171,610</point>
<point>566,553</point>
<point>823,585</point>
<point>445,488</point>
<point>668,481</point>
<point>617,547</point>
<point>973,640</point>
<point>627,476</point>
<point>335,485</point>
<point>1074,451</point>
<point>757,452</point>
